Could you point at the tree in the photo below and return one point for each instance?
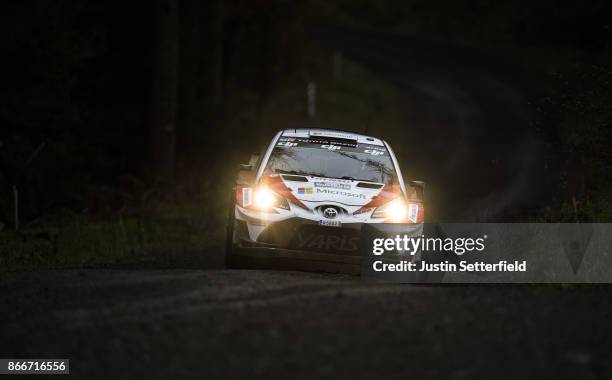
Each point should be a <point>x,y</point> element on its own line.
<point>201,74</point>
<point>164,89</point>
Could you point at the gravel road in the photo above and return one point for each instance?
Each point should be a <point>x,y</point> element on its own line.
<point>231,323</point>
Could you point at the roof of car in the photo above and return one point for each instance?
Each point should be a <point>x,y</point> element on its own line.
<point>333,133</point>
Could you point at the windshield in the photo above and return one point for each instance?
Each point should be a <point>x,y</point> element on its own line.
<point>365,162</point>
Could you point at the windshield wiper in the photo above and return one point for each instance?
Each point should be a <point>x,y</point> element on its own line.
<point>294,172</point>
<point>357,179</point>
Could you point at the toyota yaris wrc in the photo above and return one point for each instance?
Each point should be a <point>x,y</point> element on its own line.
<point>303,202</point>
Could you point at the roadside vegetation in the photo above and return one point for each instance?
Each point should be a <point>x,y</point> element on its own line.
<point>76,112</point>
<point>135,222</point>
<point>563,51</point>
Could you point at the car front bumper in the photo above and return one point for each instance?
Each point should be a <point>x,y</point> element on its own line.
<point>303,244</point>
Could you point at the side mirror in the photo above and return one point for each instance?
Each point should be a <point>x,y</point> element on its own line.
<point>416,190</point>
<point>253,160</point>
<point>252,163</point>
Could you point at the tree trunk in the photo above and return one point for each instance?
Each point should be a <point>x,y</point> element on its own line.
<point>164,89</point>
<point>201,72</point>
<point>217,52</point>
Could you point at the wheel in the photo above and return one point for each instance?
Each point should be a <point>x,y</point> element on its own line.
<point>229,234</point>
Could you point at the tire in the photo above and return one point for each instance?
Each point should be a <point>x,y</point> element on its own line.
<point>230,247</point>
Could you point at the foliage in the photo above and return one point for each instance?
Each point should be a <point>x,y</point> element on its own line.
<point>134,221</point>
<point>75,105</point>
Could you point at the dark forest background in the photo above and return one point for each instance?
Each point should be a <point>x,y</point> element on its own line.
<point>122,122</point>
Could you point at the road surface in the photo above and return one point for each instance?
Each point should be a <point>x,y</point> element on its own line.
<point>233,323</point>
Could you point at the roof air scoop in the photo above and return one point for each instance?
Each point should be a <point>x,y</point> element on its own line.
<point>369,185</point>
<point>294,178</point>
<point>333,136</point>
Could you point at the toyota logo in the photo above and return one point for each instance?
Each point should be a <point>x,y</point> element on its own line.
<point>330,213</point>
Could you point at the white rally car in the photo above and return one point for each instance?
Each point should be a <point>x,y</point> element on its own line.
<point>306,199</point>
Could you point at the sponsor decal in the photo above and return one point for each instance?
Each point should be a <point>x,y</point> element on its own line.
<point>316,143</point>
<point>287,143</point>
<point>328,179</point>
<point>330,147</point>
<point>304,190</point>
<point>340,193</point>
<point>333,185</point>
<point>246,196</point>
<point>327,242</point>
<point>326,143</point>
<point>334,146</point>
<point>374,152</point>
<point>413,212</point>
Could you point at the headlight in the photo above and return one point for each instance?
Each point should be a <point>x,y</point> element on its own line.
<point>264,198</point>
<point>261,198</point>
<point>398,211</point>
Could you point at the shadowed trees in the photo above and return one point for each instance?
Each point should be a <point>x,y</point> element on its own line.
<point>164,89</point>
